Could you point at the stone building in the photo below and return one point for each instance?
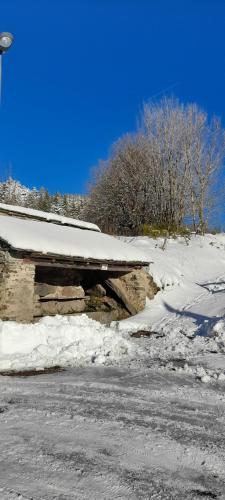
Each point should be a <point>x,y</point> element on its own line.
<point>56,265</point>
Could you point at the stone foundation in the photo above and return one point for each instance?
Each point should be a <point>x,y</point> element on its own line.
<point>53,307</point>
<point>16,289</point>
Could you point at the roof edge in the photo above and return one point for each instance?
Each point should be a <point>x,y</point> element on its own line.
<point>38,215</point>
<point>73,261</point>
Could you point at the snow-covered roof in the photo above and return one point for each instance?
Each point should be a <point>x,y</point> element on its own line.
<point>53,239</point>
<point>47,216</point>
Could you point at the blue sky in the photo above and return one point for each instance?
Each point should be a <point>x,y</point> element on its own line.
<point>79,71</point>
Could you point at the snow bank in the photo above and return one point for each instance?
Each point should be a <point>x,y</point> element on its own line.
<point>61,341</point>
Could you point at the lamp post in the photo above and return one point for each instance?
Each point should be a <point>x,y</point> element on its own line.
<point>6,40</point>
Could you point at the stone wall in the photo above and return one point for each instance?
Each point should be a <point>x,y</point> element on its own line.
<point>52,299</point>
<point>16,288</point>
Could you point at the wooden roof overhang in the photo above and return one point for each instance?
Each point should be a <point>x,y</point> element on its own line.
<point>55,260</point>
<point>81,263</point>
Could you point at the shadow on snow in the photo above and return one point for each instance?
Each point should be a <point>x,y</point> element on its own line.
<point>204,323</point>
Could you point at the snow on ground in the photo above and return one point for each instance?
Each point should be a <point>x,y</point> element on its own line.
<point>186,271</point>
<point>110,433</point>
<point>188,314</point>
<point>60,341</point>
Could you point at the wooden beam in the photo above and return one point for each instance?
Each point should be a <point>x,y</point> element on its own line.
<point>73,262</point>
<point>81,262</point>
<point>79,265</point>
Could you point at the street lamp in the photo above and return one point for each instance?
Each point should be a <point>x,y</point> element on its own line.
<point>6,40</point>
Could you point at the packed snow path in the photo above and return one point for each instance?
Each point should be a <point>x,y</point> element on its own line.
<point>107,433</point>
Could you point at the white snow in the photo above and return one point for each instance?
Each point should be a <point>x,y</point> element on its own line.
<point>188,314</point>
<point>48,238</point>
<point>186,318</point>
<point>60,341</point>
<point>186,273</point>
<point>59,219</point>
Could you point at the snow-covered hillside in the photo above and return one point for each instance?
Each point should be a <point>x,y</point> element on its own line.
<point>182,272</point>
<point>188,315</point>
<point>186,319</point>
<point>15,191</point>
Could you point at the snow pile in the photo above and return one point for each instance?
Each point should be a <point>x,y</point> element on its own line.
<point>60,341</point>
<point>219,330</point>
<point>179,350</point>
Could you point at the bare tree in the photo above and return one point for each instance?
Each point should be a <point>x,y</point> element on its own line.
<point>121,195</point>
<point>192,151</point>
<point>208,149</point>
<point>161,175</point>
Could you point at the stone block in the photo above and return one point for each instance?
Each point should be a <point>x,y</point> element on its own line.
<point>58,292</point>
<point>53,307</point>
<point>132,289</point>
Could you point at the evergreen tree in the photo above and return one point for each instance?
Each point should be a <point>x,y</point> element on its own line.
<point>44,203</point>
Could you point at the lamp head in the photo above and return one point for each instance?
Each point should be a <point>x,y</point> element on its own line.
<point>6,40</point>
